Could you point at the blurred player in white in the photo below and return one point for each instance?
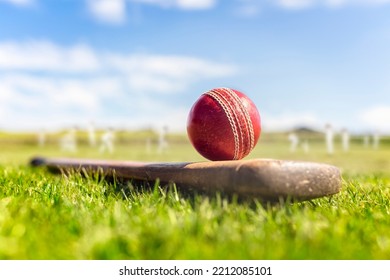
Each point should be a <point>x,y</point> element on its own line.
<point>329,135</point>
<point>68,141</point>
<point>107,141</point>
<point>294,141</point>
<point>345,139</point>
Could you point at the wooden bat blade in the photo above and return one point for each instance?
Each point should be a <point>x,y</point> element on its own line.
<point>266,179</point>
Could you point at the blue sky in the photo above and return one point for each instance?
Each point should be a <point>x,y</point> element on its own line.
<point>137,63</point>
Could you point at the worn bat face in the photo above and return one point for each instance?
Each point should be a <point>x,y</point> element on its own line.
<point>266,179</point>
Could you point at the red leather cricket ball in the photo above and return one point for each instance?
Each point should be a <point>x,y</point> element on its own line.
<point>224,124</point>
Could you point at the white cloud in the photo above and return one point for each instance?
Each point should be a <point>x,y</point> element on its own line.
<point>19,2</point>
<point>47,56</point>
<point>196,4</point>
<point>166,74</point>
<point>142,82</point>
<point>35,92</point>
<point>44,55</point>
<point>114,11</point>
<point>336,3</point>
<point>248,8</point>
<point>180,4</point>
<point>30,102</point>
<point>33,101</point>
<point>296,4</point>
<point>303,4</point>
<point>339,3</point>
<point>169,65</point>
<point>110,11</point>
<point>44,81</point>
<point>377,118</point>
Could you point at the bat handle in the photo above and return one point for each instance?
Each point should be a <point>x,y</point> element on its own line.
<point>37,161</point>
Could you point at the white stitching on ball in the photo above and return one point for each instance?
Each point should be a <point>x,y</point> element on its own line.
<point>247,117</point>
<point>216,97</point>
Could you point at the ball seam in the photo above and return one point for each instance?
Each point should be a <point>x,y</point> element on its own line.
<point>247,118</point>
<point>232,104</point>
<point>217,98</point>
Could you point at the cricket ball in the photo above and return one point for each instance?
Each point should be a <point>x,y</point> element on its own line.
<point>224,124</point>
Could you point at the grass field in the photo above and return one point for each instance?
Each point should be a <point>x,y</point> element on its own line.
<point>46,216</point>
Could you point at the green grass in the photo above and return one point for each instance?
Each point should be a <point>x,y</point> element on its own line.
<point>46,216</point>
